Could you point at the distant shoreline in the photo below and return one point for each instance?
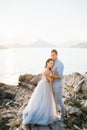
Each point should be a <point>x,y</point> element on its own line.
<point>3,47</point>
<point>45,44</point>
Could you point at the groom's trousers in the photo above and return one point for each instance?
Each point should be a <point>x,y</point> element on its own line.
<point>58,94</point>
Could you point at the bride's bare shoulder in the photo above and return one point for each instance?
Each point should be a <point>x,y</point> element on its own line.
<point>46,72</point>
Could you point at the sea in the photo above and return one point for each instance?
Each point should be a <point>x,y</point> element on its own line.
<point>18,61</point>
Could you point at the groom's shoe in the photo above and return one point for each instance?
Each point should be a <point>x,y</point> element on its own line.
<point>61,118</point>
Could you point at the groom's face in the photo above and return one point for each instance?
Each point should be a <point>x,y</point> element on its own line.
<point>53,56</point>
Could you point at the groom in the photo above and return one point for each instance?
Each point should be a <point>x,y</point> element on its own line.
<point>57,82</point>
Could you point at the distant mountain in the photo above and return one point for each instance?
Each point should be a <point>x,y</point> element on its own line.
<point>74,44</point>
<point>37,44</point>
<point>80,45</point>
<point>42,44</point>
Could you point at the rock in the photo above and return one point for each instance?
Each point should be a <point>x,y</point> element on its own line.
<point>20,113</point>
<point>29,79</point>
<point>2,84</point>
<point>3,125</point>
<point>57,126</point>
<point>76,81</point>
<point>77,128</point>
<point>85,75</point>
<point>8,94</point>
<point>34,81</point>
<point>84,128</point>
<point>14,98</point>
<point>84,103</point>
<point>73,110</point>
<point>69,80</point>
<point>67,99</point>
<point>43,128</point>
<point>84,85</point>
<point>15,123</point>
<point>25,78</point>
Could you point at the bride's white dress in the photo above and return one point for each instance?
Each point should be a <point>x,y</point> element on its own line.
<point>41,108</point>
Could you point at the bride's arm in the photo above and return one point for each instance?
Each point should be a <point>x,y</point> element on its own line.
<point>48,76</point>
<point>53,74</point>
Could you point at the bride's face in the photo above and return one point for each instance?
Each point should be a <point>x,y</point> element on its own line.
<point>50,64</point>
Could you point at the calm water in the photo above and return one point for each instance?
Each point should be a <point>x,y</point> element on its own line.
<point>31,60</point>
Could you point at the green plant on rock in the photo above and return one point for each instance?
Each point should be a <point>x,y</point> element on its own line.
<point>68,123</point>
<point>76,103</point>
<point>84,95</point>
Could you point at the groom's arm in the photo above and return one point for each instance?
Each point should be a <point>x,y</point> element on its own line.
<point>60,73</point>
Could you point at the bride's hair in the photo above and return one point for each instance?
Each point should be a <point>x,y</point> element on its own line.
<point>47,61</point>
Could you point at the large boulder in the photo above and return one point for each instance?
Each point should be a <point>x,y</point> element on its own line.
<point>72,79</point>
<point>84,85</point>
<point>76,81</point>
<point>34,81</point>
<point>29,79</point>
<point>26,78</point>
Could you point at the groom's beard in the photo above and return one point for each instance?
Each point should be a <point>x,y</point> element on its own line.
<point>54,60</point>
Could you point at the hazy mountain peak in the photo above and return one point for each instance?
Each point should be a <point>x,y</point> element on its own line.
<point>42,44</point>
<point>80,45</point>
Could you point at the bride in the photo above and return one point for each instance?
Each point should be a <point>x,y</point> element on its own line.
<point>41,108</point>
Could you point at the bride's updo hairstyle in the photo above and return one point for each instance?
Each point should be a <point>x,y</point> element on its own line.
<point>47,61</point>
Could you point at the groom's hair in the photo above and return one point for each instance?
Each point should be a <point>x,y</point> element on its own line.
<point>55,51</point>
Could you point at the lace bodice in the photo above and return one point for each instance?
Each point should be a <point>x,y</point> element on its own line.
<point>43,75</point>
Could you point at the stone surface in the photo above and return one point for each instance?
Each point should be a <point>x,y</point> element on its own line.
<point>14,98</point>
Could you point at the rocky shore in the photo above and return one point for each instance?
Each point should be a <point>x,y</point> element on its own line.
<point>13,99</point>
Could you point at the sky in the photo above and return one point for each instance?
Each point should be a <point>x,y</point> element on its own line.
<point>54,21</point>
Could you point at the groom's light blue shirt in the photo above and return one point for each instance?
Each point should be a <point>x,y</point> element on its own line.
<point>59,70</point>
